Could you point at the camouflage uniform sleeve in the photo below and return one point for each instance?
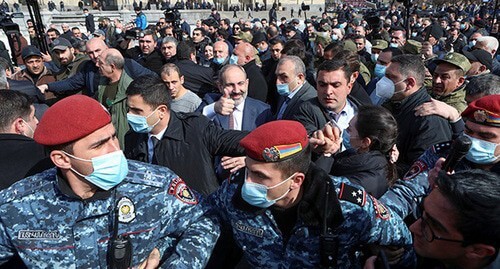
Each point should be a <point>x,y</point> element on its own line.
<point>6,247</point>
<point>402,198</point>
<point>378,226</point>
<point>192,233</point>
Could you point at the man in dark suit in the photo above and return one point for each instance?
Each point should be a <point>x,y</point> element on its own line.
<point>20,156</point>
<point>197,78</point>
<point>89,21</point>
<point>146,54</point>
<point>292,86</point>
<point>244,56</point>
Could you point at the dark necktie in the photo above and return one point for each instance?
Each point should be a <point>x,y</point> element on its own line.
<point>155,141</point>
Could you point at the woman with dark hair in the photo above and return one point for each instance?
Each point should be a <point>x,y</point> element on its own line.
<point>373,133</point>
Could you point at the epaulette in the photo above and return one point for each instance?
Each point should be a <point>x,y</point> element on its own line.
<point>28,186</point>
<point>441,148</point>
<point>352,194</point>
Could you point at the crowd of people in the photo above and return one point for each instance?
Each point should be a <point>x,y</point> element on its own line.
<point>328,142</point>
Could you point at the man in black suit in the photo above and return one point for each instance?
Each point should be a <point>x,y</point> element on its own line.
<point>20,156</point>
<point>146,54</point>
<point>197,78</point>
<point>89,21</point>
<point>244,56</point>
<point>292,86</point>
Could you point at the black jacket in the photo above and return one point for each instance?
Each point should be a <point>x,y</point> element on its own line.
<point>257,86</point>
<point>153,61</point>
<point>89,23</point>
<point>368,170</point>
<point>20,157</point>
<point>305,93</point>
<point>416,133</point>
<point>197,78</point>
<point>189,147</point>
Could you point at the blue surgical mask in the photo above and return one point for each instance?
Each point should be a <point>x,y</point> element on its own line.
<point>374,57</point>
<point>284,89</point>
<point>462,26</point>
<point>335,37</point>
<point>481,152</point>
<point>233,59</point>
<point>414,34</point>
<point>379,70</point>
<point>140,123</point>
<point>109,169</point>
<point>219,60</point>
<point>393,45</point>
<point>256,194</point>
<point>472,43</point>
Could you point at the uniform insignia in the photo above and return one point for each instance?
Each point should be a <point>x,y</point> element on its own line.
<point>276,153</point>
<point>352,194</point>
<point>126,210</point>
<point>181,191</point>
<point>248,229</point>
<point>417,168</point>
<point>480,116</point>
<point>380,209</point>
<point>38,235</point>
<point>441,147</point>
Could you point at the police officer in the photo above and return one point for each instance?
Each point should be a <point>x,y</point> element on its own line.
<point>482,126</point>
<point>285,212</point>
<point>75,215</point>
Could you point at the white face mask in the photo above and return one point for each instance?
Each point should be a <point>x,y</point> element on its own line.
<point>31,129</point>
<point>385,88</point>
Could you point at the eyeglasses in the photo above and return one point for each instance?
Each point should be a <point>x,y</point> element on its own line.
<point>196,34</point>
<point>427,231</point>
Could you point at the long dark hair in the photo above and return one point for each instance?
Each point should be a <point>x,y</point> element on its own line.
<point>378,124</point>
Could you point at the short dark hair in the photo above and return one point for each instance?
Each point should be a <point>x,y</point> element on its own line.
<point>394,51</point>
<point>334,47</point>
<point>224,33</point>
<point>152,90</point>
<point>75,28</point>
<point>202,30</point>
<point>54,30</point>
<point>410,66</point>
<point>13,105</point>
<point>298,163</point>
<point>185,49</point>
<point>275,41</point>
<point>352,59</point>
<point>334,65</point>
<point>474,194</point>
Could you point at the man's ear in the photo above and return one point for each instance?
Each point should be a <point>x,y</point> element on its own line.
<point>366,143</point>
<point>298,180</point>
<point>17,126</point>
<point>479,251</point>
<point>60,159</point>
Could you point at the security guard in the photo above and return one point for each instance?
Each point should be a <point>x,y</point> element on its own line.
<point>482,126</point>
<point>96,209</point>
<point>284,212</point>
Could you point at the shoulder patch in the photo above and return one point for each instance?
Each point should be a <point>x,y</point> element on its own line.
<point>417,168</point>
<point>380,209</point>
<point>441,147</point>
<point>181,191</point>
<point>352,194</point>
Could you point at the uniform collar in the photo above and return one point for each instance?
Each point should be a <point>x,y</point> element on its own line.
<point>64,187</point>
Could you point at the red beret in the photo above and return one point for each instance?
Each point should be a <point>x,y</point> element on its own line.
<point>485,110</point>
<point>70,119</point>
<point>275,141</point>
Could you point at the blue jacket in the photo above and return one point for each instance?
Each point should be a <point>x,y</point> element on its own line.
<point>50,227</point>
<point>355,217</point>
<point>141,21</point>
<point>88,78</point>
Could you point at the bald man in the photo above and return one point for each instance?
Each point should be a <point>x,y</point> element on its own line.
<point>244,56</point>
<point>88,78</point>
<point>221,56</point>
